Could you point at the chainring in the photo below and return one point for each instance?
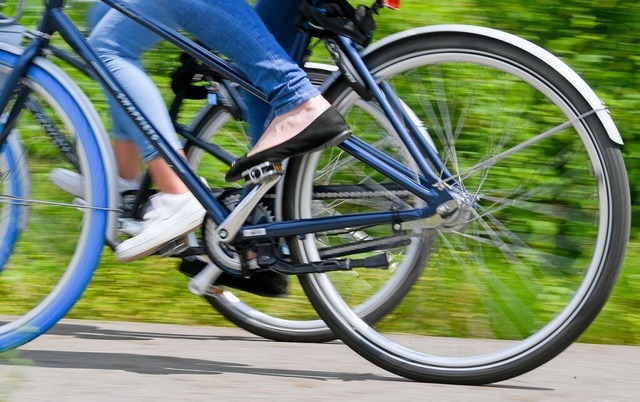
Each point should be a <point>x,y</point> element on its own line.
<point>221,254</point>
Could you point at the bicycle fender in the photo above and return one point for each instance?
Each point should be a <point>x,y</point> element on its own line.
<point>541,54</point>
<point>13,34</point>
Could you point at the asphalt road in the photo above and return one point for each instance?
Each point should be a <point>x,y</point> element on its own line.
<point>115,361</point>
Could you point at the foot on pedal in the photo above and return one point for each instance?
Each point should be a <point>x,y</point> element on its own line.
<point>327,130</point>
<point>262,172</point>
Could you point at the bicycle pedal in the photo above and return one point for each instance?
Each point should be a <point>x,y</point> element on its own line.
<point>174,247</point>
<point>203,282</point>
<point>262,172</point>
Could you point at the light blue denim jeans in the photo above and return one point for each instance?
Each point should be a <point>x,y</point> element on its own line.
<point>232,27</point>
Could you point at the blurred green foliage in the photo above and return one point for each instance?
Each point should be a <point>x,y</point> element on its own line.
<point>598,38</point>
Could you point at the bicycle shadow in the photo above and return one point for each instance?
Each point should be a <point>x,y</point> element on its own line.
<point>92,332</point>
<point>167,365</point>
<point>155,364</point>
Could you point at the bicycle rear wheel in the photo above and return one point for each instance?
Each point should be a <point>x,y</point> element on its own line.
<point>527,270</point>
<point>50,244</point>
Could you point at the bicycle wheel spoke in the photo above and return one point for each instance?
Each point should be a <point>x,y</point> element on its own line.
<point>513,312</point>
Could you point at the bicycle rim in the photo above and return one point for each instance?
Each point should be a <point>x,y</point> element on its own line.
<point>524,273</point>
<point>53,244</point>
<point>13,216</point>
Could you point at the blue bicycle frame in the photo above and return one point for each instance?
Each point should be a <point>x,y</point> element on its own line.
<point>426,185</point>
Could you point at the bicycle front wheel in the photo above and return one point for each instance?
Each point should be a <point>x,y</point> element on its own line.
<point>526,270</point>
<point>293,319</point>
<point>290,319</point>
<point>50,244</point>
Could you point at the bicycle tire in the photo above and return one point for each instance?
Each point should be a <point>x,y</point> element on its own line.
<point>56,244</point>
<point>530,266</point>
<point>271,320</point>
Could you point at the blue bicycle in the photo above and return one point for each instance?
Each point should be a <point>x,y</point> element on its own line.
<point>482,154</point>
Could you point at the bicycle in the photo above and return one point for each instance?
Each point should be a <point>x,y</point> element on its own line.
<point>533,224</point>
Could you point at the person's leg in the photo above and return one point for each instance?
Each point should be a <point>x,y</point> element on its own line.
<point>242,36</point>
<point>279,17</point>
<point>174,212</point>
<point>128,159</point>
<point>94,14</point>
<point>120,42</point>
<point>126,152</point>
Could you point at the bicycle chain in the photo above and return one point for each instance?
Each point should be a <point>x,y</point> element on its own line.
<point>365,193</point>
<point>352,194</point>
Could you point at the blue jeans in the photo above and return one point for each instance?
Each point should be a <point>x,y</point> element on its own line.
<point>238,32</point>
<point>279,17</point>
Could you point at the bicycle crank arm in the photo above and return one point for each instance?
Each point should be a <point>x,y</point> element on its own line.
<point>264,176</point>
<point>200,284</point>
<point>380,261</point>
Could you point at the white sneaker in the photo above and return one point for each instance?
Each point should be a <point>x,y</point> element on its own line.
<point>168,217</point>
<point>73,183</point>
<point>131,227</point>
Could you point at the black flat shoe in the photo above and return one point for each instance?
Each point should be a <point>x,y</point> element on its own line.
<point>325,131</point>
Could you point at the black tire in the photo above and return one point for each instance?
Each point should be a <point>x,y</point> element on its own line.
<point>270,318</point>
<point>532,263</point>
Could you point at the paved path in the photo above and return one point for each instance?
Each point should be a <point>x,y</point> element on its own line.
<point>99,361</point>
